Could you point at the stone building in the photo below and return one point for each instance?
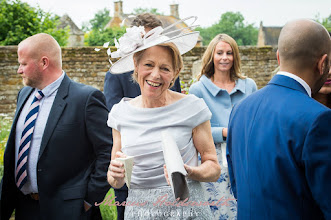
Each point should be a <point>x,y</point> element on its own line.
<point>119,18</point>
<point>268,36</point>
<point>76,35</point>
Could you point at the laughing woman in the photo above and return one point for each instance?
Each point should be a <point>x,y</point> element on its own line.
<point>222,86</point>
<point>137,125</point>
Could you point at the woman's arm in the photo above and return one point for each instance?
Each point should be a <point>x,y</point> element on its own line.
<point>209,170</point>
<point>115,174</point>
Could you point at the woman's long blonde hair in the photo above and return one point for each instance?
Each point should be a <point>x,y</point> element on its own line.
<point>208,68</point>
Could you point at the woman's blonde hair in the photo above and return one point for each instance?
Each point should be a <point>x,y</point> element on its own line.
<point>177,60</point>
<point>208,68</point>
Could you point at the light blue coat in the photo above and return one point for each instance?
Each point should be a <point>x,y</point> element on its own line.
<point>220,102</point>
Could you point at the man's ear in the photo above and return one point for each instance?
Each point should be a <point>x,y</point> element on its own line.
<point>321,64</point>
<point>277,53</point>
<point>44,62</point>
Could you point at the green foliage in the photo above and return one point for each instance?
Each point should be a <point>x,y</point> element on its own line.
<point>231,23</point>
<point>99,37</point>
<point>326,22</point>
<point>100,20</point>
<point>109,212</point>
<point>18,21</point>
<point>186,86</point>
<point>146,10</point>
<point>5,125</point>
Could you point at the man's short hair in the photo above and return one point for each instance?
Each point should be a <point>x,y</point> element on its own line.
<point>146,20</point>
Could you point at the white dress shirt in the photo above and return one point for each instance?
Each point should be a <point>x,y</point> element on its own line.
<point>298,79</point>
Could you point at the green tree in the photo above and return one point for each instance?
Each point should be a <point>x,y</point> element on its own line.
<point>146,10</point>
<point>231,23</point>
<point>99,37</point>
<point>18,21</point>
<point>326,22</point>
<point>100,20</point>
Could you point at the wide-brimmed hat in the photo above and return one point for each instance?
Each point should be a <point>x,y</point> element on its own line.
<point>135,40</point>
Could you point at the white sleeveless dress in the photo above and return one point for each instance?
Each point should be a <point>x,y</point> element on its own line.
<point>150,197</point>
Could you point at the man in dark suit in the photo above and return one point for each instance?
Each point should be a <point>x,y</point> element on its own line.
<point>58,151</point>
<point>117,86</point>
<point>279,139</point>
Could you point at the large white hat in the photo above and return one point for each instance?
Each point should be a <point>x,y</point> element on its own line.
<point>135,39</point>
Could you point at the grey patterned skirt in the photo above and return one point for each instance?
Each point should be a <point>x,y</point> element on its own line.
<point>160,204</point>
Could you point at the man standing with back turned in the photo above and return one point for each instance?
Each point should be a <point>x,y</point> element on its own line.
<point>279,140</point>
<point>58,150</point>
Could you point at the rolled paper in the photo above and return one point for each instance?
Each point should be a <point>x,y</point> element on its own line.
<point>175,167</point>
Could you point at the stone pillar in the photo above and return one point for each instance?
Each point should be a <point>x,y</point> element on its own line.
<point>174,10</point>
<point>261,36</point>
<point>118,11</point>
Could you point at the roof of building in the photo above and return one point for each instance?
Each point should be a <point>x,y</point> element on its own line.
<point>271,35</point>
<point>65,21</point>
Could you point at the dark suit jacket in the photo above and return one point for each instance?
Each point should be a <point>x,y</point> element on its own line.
<point>74,154</point>
<point>279,146</point>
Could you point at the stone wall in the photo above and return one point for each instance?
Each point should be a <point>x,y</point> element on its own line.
<point>87,66</point>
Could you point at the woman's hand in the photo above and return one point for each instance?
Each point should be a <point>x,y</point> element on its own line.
<point>188,169</point>
<point>116,172</point>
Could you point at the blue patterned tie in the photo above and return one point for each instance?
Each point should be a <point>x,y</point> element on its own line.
<point>22,159</point>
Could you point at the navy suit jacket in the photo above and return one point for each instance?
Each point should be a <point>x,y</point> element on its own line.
<point>74,154</point>
<point>279,154</point>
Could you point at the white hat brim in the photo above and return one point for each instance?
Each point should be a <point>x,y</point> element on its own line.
<point>184,43</point>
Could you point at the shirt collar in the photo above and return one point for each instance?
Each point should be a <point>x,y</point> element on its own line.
<point>48,90</point>
<point>298,79</point>
<point>214,90</point>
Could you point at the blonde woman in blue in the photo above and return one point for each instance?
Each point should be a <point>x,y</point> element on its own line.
<point>221,85</point>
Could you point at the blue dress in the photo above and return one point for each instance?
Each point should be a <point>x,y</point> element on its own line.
<point>140,130</point>
<point>220,103</point>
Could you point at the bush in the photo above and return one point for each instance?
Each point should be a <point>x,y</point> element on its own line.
<point>108,212</point>
<point>98,37</point>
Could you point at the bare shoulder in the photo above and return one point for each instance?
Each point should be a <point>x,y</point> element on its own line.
<point>136,101</point>
<point>176,96</point>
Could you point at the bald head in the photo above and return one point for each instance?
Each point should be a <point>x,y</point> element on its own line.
<point>301,43</point>
<point>40,45</point>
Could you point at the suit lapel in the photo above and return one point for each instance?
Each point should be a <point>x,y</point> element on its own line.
<point>58,106</point>
<point>288,82</point>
